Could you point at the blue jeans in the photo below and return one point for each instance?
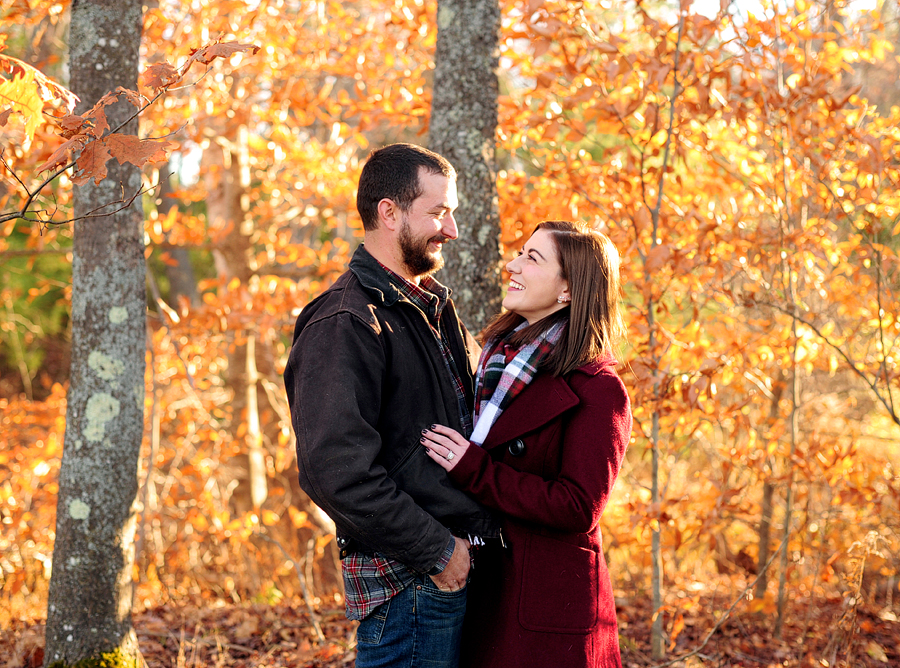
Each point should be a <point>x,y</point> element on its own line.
<point>418,628</point>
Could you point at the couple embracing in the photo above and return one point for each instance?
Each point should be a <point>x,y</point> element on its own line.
<point>466,483</point>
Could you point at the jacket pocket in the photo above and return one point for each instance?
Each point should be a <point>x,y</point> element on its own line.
<point>560,587</point>
<point>400,463</point>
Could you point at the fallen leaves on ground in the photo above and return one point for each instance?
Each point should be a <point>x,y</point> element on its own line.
<point>225,635</point>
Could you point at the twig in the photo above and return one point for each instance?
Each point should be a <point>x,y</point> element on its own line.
<point>859,372</point>
<point>726,614</point>
<point>313,615</point>
<point>13,172</point>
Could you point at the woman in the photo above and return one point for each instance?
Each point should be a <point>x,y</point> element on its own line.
<point>552,422</point>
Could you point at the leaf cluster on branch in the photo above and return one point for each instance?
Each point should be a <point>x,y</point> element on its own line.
<point>89,136</point>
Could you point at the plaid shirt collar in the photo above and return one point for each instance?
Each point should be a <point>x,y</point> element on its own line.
<point>429,296</point>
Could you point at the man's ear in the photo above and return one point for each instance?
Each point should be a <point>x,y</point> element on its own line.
<point>389,214</point>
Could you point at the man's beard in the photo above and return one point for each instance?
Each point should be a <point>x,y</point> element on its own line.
<point>415,252</point>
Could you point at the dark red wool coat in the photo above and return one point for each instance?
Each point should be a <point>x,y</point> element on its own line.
<point>548,465</point>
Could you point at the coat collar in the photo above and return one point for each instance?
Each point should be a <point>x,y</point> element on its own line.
<point>546,398</point>
<point>376,280</point>
<point>372,277</point>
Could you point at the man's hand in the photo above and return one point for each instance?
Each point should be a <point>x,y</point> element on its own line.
<point>453,577</point>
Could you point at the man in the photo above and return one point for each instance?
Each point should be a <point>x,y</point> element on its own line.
<point>377,358</point>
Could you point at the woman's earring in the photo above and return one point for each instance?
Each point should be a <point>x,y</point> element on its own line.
<point>562,300</point>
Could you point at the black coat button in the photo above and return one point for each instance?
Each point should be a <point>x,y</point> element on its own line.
<point>517,448</point>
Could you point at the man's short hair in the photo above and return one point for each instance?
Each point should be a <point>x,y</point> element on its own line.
<point>392,172</point>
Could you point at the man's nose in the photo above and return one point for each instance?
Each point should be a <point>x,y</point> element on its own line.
<point>449,228</point>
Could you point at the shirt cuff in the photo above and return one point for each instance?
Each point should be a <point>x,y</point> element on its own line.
<point>445,558</point>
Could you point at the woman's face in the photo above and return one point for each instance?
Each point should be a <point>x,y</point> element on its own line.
<point>535,283</point>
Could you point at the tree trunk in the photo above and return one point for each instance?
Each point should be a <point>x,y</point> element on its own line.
<point>89,604</point>
<point>228,181</point>
<point>180,272</point>
<point>463,129</point>
<point>765,525</point>
<point>766,507</point>
<point>789,494</point>
<point>657,640</point>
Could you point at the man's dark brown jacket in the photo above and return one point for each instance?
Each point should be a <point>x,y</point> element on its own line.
<point>365,376</point>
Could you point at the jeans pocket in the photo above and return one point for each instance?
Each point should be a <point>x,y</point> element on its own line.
<point>430,588</point>
<point>371,628</point>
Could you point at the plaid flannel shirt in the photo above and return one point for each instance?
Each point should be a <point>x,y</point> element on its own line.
<point>371,580</point>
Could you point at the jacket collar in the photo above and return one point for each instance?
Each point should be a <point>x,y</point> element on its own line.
<point>375,279</point>
<point>545,399</point>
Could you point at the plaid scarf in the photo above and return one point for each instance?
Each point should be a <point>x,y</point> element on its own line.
<point>503,372</point>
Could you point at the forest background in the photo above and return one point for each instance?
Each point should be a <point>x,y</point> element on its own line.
<point>742,156</point>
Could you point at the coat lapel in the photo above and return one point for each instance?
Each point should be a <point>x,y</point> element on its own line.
<point>545,398</point>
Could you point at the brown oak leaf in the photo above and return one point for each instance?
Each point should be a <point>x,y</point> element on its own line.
<point>92,163</point>
<point>98,113</point>
<point>132,96</point>
<point>128,148</point>
<point>4,116</point>
<point>160,75</point>
<point>100,123</point>
<point>70,125</point>
<point>210,52</point>
<point>61,155</point>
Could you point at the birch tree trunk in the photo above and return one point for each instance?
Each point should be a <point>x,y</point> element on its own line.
<point>463,129</point>
<point>89,604</point>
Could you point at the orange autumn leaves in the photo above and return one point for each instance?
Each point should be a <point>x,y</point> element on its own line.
<point>89,135</point>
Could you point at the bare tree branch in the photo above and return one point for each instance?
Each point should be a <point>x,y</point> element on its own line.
<point>840,351</point>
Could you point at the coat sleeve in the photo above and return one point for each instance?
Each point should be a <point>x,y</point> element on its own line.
<point>336,371</point>
<point>594,439</point>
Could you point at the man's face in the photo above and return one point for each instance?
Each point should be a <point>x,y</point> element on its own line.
<point>428,224</point>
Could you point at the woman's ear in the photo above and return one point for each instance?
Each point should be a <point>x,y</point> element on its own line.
<point>564,296</point>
